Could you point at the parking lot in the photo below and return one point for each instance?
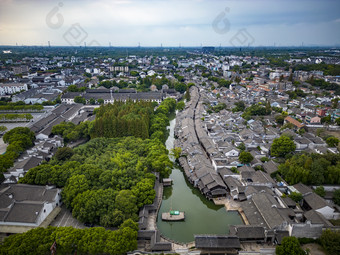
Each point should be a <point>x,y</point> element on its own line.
<point>65,219</point>
<point>36,117</point>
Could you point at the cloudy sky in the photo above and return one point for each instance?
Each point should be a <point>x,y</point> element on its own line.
<point>170,22</point>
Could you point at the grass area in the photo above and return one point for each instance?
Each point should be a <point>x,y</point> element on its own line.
<point>332,133</point>
<point>313,249</point>
<point>335,222</point>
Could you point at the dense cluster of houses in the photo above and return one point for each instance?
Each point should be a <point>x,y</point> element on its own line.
<point>210,141</point>
<point>46,144</point>
<point>210,159</point>
<point>196,164</point>
<point>28,80</point>
<point>23,207</point>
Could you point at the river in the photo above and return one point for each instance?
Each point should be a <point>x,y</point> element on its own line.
<point>201,215</point>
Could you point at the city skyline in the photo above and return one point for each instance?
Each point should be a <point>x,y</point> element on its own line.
<point>170,23</point>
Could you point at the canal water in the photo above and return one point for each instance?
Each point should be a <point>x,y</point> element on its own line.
<point>201,215</point>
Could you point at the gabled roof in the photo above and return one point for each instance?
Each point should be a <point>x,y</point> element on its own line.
<point>301,140</point>
<point>246,168</point>
<point>24,203</point>
<point>294,122</point>
<point>248,232</point>
<point>41,124</point>
<point>71,95</point>
<point>316,218</point>
<point>61,109</point>
<point>24,212</point>
<point>302,188</point>
<point>262,177</point>
<point>269,208</point>
<point>48,130</point>
<point>289,202</point>
<point>232,183</point>
<point>270,167</point>
<point>217,242</point>
<point>27,164</point>
<point>315,201</point>
<point>25,192</point>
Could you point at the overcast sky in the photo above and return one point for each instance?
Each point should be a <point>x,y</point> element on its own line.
<point>170,22</point>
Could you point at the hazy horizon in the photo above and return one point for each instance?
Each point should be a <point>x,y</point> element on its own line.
<point>170,23</point>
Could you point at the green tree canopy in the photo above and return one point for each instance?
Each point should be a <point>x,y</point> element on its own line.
<point>336,197</point>
<point>296,196</point>
<point>337,121</point>
<point>64,153</point>
<point>330,241</point>
<point>239,106</point>
<point>313,169</point>
<point>245,157</point>
<point>180,87</point>
<point>70,241</point>
<point>320,191</point>
<point>75,185</point>
<point>289,245</point>
<point>20,133</point>
<point>19,139</point>
<point>282,146</point>
<point>332,141</point>
<point>79,100</point>
<point>180,106</point>
<point>3,128</point>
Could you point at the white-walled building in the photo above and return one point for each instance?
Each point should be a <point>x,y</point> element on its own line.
<point>11,88</point>
<point>26,205</point>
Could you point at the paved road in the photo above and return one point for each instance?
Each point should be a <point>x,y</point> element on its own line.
<point>65,219</point>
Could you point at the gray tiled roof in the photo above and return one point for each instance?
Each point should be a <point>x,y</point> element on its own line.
<point>302,188</point>
<point>248,232</point>
<point>252,213</point>
<point>27,164</point>
<point>316,218</point>
<point>217,241</point>
<point>269,209</point>
<point>270,167</point>
<point>24,212</point>
<point>314,201</point>
<point>23,203</point>
<point>23,192</point>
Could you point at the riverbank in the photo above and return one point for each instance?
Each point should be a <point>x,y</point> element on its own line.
<point>202,216</point>
<point>232,205</point>
<point>197,149</point>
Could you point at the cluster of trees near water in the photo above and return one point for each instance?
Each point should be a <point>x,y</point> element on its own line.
<point>122,119</point>
<point>18,139</point>
<point>105,181</point>
<point>136,119</point>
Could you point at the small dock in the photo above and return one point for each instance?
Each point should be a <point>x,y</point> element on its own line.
<point>167,182</point>
<point>173,216</point>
